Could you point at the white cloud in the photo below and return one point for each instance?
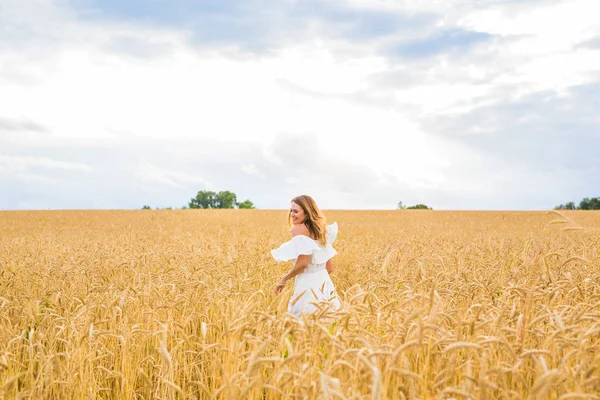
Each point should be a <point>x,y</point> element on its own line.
<point>152,174</point>
<point>9,175</point>
<point>407,5</point>
<point>118,82</point>
<point>19,164</point>
<point>314,67</point>
<point>544,44</point>
<point>37,171</point>
<point>534,48</point>
<point>251,169</point>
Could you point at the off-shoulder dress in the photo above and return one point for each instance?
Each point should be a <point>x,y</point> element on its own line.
<point>313,284</point>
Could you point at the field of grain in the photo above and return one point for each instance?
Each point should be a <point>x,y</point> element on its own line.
<point>180,304</point>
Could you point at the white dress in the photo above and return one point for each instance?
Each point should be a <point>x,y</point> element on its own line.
<point>313,284</point>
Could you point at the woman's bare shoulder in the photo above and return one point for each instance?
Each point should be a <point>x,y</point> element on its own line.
<point>300,229</point>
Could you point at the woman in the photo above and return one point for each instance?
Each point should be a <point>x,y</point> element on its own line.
<point>311,251</point>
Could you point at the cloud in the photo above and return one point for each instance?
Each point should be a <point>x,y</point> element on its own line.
<point>10,125</point>
<point>539,130</point>
<point>137,47</point>
<point>257,27</point>
<point>593,43</point>
<point>251,169</point>
<point>440,42</point>
<point>331,179</point>
<point>538,149</point>
<point>40,177</point>
<point>25,163</point>
<point>138,175</point>
<point>152,174</point>
<point>452,104</point>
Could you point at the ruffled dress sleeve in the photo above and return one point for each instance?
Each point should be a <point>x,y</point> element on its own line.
<point>304,245</point>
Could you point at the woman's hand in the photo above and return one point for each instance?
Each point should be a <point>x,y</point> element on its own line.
<point>329,266</point>
<point>280,285</point>
<point>301,263</point>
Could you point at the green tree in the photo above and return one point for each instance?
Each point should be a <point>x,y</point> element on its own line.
<point>226,199</point>
<point>585,204</point>
<point>569,206</point>
<point>246,204</point>
<point>401,206</point>
<point>419,207</point>
<point>208,199</point>
<point>589,204</point>
<point>146,208</point>
<point>204,199</point>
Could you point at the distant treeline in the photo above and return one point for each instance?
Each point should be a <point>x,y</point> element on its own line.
<point>415,207</point>
<point>208,199</point>
<point>585,204</point>
<point>224,199</point>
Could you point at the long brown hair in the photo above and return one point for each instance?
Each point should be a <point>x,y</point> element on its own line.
<point>314,219</point>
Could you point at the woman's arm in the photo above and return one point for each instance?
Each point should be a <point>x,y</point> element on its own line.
<point>329,265</point>
<point>301,263</point>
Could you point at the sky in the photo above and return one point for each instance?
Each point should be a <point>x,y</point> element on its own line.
<point>456,104</point>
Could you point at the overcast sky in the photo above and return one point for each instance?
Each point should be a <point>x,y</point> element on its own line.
<point>458,104</point>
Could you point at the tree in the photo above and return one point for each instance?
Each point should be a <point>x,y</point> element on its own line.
<point>585,204</point>
<point>246,204</point>
<point>208,199</point>
<point>589,204</point>
<point>419,207</point>
<point>401,206</point>
<point>204,199</point>
<point>226,199</point>
<point>569,206</point>
<point>146,208</point>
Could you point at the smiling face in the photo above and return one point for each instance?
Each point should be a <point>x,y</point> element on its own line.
<point>297,214</point>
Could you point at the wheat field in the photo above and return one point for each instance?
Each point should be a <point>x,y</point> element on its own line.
<point>180,304</point>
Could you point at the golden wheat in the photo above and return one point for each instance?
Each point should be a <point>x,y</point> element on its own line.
<point>180,304</point>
